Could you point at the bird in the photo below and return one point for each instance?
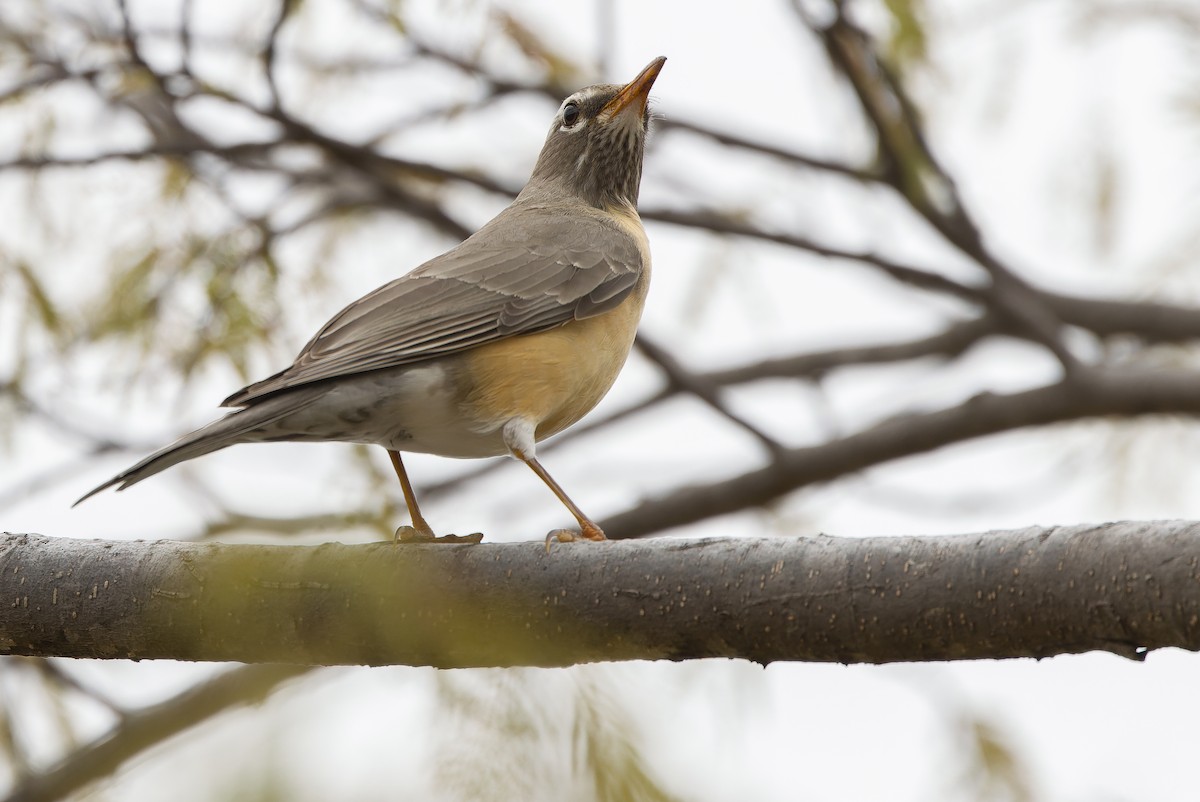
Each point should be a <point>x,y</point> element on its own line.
<point>504,340</point>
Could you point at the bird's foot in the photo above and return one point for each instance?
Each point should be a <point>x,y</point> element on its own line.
<point>588,531</point>
<point>411,534</point>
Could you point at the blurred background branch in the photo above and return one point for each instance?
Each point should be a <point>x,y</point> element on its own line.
<point>882,229</point>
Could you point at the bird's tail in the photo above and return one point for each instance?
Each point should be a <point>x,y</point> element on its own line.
<point>241,426</point>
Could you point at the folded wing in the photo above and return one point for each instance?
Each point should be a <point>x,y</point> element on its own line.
<point>520,274</point>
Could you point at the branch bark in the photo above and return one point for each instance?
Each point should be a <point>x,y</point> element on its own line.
<point>1125,588</point>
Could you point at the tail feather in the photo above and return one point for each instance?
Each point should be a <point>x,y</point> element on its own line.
<point>240,426</point>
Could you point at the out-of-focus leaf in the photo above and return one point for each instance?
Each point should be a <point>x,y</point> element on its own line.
<point>1106,195</point>
<point>291,7</point>
<point>618,771</point>
<point>57,702</point>
<point>176,179</point>
<point>11,748</point>
<point>239,294</point>
<point>907,44</point>
<point>394,15</point>
<point>562,71</point>
<point>588,746</point>
<point>39,299</point>
<point>266,782</point>
<point>271,265</point>
<point>8,744</point>
<point>999,772</point>
<point>131,302</point>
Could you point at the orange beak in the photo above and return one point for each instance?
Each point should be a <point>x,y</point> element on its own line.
<point>636,92</point>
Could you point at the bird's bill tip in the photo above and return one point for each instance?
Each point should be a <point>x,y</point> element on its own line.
<point>636,90</point>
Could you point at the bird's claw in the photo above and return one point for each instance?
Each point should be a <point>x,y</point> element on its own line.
<point>560,536</point>
<point>587,532</point>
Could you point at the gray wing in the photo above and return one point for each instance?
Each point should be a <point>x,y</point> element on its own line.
<point>489,288</point>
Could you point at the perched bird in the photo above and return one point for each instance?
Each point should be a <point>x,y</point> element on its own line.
<point>503,341</point>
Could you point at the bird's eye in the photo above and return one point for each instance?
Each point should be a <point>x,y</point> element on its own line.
<point>570,114</point>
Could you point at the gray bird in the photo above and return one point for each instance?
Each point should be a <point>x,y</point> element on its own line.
<point>497,344</point>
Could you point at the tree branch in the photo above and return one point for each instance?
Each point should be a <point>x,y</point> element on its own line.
<point>921,180</point>
<point>905,274</point>
<point>149,727</point>
<point>1152,321</point>
<point>797,158</point>
<point>688,381</point>
<point>1086,393</point>
<point>952,341</point>
<point>1125,588</point>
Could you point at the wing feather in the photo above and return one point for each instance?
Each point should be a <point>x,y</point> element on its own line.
<point>526,271</point>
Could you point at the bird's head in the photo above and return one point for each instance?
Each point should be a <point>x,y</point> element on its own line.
<point>595,145</point>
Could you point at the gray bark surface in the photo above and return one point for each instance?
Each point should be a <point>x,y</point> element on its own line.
<point>1121,587</point>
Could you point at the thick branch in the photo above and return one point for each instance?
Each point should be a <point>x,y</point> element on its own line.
<point>1152,321</point>
<point>1118,587</point>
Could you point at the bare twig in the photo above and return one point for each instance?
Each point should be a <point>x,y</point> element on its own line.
<point>905,274</point>
<point>151,726</point>
<point>775,151</point>
<point>806,367</point>
<point>928,188</point>
<point>1096,392</point>
<point>55,673</point>
<point>950,342</point>
<point>681,378</point>
<point>269,50</point>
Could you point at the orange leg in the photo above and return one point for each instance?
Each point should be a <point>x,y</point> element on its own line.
<point>587,527</point>
<point>420,531</point>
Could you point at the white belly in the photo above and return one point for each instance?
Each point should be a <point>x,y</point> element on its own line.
<point>410,409</point>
